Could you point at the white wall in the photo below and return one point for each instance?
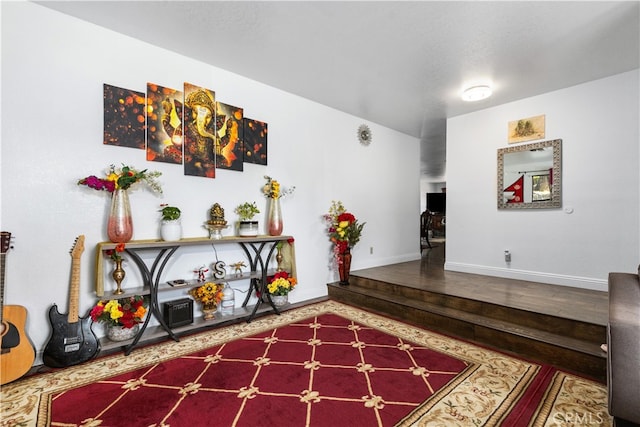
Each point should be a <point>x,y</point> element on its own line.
<point>598,123</point>
<point>53,69</point>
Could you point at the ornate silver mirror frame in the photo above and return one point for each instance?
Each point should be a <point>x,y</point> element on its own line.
<point>530,176</point>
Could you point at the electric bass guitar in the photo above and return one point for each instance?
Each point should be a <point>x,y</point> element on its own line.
<point>18,352</point>
<point>72,340</point>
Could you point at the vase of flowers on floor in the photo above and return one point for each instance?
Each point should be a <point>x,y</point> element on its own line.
<point>209,295</point>
<point>344,266</point>
<point>117,182</point>
<point>274,192</point>
<point>121,316</point>
<point>279,285</point>
<point>344,232</point>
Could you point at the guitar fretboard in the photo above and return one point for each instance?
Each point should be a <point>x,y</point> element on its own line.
<point>2,261</point>
<point>74,291</point>
<point>74,286</point>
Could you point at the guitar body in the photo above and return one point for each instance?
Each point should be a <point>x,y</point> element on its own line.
<point>72,340</point>
<point>70,343</point>
<point>18,352</point>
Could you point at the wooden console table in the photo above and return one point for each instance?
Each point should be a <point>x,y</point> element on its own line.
<point>258,251</point>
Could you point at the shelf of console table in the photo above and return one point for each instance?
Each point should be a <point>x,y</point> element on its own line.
<point>258,251</point>
<point>158,333</point>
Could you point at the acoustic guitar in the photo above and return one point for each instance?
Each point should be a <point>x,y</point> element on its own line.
<point>72,340</point>
<point>18,352</point>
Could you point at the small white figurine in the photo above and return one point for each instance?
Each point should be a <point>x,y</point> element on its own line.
<point>201,272</point>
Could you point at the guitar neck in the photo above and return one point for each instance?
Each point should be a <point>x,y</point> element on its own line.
<point>5,244</point>
<point>2,261</point>
<point>74,291</point>
<point>74,286</point>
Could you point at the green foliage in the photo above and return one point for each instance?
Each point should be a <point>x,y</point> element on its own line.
<point>247,211</point>
<point>170,213</point>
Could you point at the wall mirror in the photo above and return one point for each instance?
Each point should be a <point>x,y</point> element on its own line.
<point>530,176</point>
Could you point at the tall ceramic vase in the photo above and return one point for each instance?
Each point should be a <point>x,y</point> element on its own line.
<point>274,218</point>
<point>120,224</point>
<point>344,266</point>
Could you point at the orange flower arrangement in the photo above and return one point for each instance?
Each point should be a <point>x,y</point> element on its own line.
<point>208,294</point>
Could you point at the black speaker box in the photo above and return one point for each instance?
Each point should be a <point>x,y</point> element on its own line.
<point>178,312</point>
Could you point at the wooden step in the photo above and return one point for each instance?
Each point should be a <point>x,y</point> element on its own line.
<point>503,328</point>
<point>564,327</point>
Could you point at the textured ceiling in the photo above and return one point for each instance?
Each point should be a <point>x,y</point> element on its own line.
<point>398,64</point>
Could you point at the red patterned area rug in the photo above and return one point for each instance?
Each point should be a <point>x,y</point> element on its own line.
<point>326,364</point>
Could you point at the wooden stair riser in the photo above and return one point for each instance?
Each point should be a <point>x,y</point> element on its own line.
<point>567,327</point>
<point>593,366</point>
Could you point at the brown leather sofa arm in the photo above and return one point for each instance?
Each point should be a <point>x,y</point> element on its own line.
<point>623,348</point>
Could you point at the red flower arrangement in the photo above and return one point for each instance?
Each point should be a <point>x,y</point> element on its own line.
<point>343,228</point>
<point>122,178</point>
<point>115,253</point>
<point>124,312</point>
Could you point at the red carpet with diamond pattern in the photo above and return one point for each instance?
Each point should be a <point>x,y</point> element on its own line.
<point>306,373</point>
<point>325,364</point>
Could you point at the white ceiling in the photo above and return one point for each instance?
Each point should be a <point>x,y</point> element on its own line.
<point>395,63</point>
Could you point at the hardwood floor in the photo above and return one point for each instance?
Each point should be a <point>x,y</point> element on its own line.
<point>557,325</point>
<point>429,274</point>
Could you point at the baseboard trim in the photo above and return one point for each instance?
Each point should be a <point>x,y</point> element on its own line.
<point>531,276</point>
<point>378,262</point>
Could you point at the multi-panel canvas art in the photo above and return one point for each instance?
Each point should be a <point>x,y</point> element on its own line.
<point>124,117</point>
<point>255,141</point>
<point>186,127</point>
<point>229,130</point>
<point>164,124</point>
<point>199,131</point>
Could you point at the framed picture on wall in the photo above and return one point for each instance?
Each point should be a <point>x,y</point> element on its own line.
<point>526,129</point>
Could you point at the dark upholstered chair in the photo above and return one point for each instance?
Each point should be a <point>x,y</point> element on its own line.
<point>426,220</point>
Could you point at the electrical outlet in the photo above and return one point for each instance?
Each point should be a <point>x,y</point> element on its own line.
<point>371,250</point>
<point>507,256</point>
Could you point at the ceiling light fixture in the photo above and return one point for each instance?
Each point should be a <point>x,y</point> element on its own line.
<point>476,93</point>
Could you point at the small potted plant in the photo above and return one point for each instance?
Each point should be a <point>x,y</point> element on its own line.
<point>170,228</point>
<point>247,227</point>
